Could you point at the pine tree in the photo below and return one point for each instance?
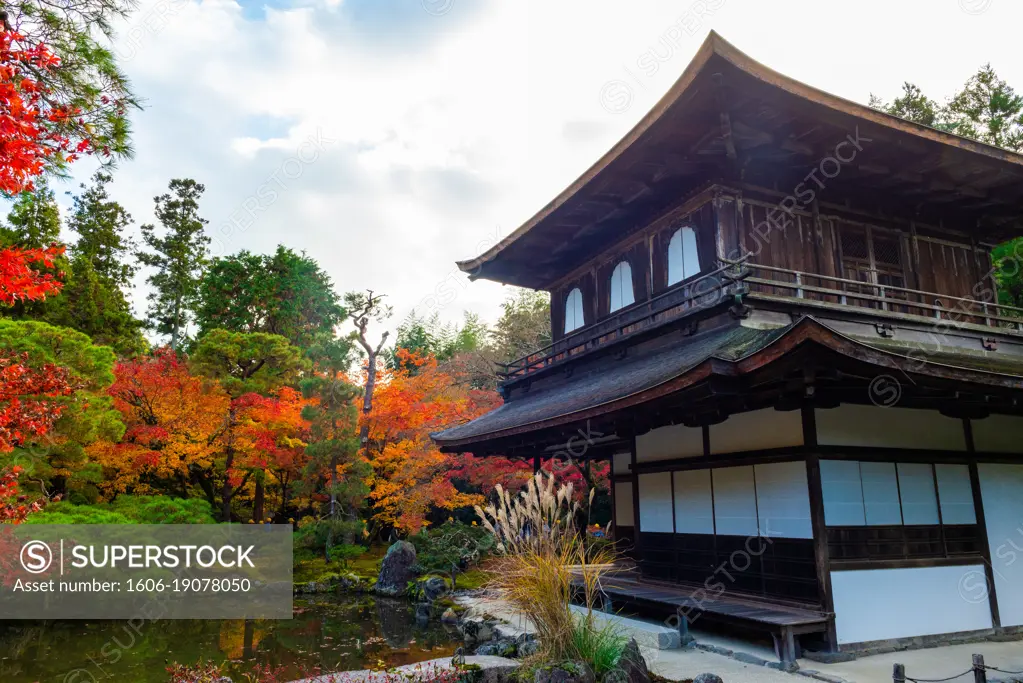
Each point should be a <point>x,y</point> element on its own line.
<point>179,257</point>
<point>100,270</point>
<point>34,220</point>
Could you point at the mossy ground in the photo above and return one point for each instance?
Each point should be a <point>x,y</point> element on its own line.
<point>473,579</point>
<point>308,566</point>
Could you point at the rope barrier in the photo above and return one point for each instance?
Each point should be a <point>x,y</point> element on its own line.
<point>938,680</point>
<point>1003,671</point>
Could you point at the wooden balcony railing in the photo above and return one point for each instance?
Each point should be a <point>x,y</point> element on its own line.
<point>943,307</point>
<point>740,276</point>
<point>699,293</point>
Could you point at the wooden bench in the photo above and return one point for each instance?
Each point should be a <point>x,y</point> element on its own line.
<point>783,621</point>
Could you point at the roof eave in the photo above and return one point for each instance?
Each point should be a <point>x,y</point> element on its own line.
<point>716,45</point>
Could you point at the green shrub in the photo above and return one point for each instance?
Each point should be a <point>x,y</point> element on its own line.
<point>67,513</point>
<point>128,510</point>
<point>164,510</point>
<point>451,548</point>
<point>317,534</point>
<point>344,553</point>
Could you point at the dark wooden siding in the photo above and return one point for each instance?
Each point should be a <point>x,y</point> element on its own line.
<point>814,244</point>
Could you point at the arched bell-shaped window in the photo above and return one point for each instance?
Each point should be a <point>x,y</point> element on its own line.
<point>683,259</point>
<point>574,318</point>
<point>621,286</point>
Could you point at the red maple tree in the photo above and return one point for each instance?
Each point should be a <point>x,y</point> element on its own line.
<point>26,408</point>
<point>31,137</point>
<point>20,281</point>
<point>272,438</point>
<point>14,507</point>
<point>174,421</point>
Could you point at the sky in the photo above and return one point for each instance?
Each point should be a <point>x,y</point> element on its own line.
<point>390,138</point>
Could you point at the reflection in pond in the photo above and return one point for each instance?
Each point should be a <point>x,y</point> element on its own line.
<point>333,634</point>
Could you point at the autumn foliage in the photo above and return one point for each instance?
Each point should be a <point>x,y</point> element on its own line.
<point>14,507</point>
<point>20,281</point>
<point>272,437</point>
<point>26,393</point>
<point>410,475</point>
<point>30,130</point>
<point>173,419</point>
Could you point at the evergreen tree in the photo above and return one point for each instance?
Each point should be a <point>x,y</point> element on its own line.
<point>985,109</point>
<point>284,293</point>
<point>334,419</point>
<point>100,270</point>
<point>34,223</point>
<point>101,225</point>
<point>179,257</point>
<point>34,220</point>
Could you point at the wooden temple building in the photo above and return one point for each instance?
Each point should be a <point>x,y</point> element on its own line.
<point>773,310</point>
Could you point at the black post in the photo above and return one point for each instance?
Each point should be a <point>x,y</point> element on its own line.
<point>537,461</point>
<point>898,673</point>
<point>979,670</point>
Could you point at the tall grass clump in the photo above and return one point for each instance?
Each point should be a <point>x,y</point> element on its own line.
<point>542,553</point>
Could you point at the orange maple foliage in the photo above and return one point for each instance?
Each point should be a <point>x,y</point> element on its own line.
<point>174,421</point>
<point>410,475</point>
<point>271,437</point>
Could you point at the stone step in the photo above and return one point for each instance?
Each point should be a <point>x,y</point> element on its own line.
<point>647,633</point>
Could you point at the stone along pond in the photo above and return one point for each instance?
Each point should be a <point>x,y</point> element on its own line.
<point>332,634</point>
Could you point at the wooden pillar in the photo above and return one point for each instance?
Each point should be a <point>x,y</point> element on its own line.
<point>637,544</point>
<point>978,511</point>
<point>537,462</point>
<point>822,555</point>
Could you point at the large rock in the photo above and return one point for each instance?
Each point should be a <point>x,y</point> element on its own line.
<point>433,588</point>
<point>565,672</point>
<point>528,648</point>
<point>476,630</point>
<point>631,665</point>
<point>708,678</point>
<point>396,569</point>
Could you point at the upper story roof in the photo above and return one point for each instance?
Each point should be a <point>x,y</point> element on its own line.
<point>730,117</point>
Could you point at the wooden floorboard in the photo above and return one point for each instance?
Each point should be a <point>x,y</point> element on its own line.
<point>695,598</point>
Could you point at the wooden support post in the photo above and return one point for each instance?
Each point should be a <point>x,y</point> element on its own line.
<point>683,629</point>
<point>785,646</point>
<point>898,673</point>
<point>636,539</point>
<point>978,508</point>
<point>537,462</point>
<point>979,671</point>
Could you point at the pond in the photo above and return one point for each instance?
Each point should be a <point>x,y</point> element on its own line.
<point>333,634</point>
